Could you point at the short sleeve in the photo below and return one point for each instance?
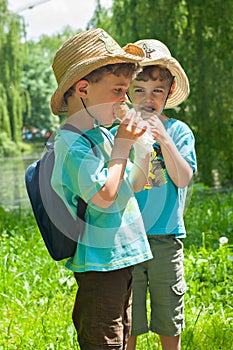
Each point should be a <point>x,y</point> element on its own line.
<point>185,142</point>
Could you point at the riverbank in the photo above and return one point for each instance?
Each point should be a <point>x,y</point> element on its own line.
<point>12,190</point>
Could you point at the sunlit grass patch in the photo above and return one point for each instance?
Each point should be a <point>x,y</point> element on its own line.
<point>37,293</point>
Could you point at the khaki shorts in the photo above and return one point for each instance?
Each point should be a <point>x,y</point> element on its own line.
<point>102,310</point>
<point>163,278</point>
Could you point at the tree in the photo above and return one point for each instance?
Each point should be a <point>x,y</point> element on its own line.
<point>27,82</point>
<point>199,34</point>
<point>39,82</point>
<point>101,18</point>
<point>11,54</point>
<point>207,55</point>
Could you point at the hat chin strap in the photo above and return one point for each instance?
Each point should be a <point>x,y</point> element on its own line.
<point>89,113</point>
<point>173,78</point>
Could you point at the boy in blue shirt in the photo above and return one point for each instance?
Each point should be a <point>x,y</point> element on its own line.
<point>162,84</point>
<point>93,73</point>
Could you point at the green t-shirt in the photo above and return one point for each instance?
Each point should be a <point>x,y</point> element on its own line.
<point>114,237</point>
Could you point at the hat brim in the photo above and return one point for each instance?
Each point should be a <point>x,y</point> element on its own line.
<point>130,53</point>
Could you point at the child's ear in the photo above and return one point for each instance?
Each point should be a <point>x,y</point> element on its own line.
<point>81,88</point>
<point>172,89</point>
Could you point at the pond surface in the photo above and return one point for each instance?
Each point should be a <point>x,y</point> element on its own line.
<point>13,192</point>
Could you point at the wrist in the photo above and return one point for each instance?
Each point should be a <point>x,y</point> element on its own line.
<point>143,146</point>
<point>163,139</point>
<point>121,149</point>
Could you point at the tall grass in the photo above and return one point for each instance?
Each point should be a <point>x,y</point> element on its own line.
<point>37,293</point>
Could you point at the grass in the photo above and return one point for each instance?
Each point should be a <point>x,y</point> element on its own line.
<point>37,293</point>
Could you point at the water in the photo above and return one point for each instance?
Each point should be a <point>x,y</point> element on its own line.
<point>13,192</point>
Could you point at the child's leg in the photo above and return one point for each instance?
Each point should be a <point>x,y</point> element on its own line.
<point>170,343</point>
<point>131,345</point>
<point>139,308</point>
<point>102,310</point>
<point>167,287</point>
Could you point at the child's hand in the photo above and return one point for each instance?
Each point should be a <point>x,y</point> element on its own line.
<point>127,134</point>
<point>156,127</point>
<point>129,128</point>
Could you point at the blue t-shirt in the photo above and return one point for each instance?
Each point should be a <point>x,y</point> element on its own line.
<point>114,237</point>
<point>162,202</point>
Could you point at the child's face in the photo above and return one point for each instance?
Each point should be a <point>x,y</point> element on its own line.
<point>150,94</point>
<point>104,94</point>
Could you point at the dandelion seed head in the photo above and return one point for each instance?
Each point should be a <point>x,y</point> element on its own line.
<point>223,240</point>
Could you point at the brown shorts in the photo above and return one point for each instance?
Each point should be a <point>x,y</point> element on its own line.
<point>102,309</point>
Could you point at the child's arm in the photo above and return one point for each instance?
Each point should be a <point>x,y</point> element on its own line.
<point>139,173</point>
<point>177,167</point>
<point>126,135</point>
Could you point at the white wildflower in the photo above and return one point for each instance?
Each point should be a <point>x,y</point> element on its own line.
<point>223,240</point>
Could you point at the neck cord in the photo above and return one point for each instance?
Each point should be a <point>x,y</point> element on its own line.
<point>89,113</point>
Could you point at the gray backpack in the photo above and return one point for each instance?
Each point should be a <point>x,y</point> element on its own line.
<point>60,231</point>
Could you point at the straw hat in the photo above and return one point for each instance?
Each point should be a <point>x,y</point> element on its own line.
<point>158,54</point>
<point>82,54</point>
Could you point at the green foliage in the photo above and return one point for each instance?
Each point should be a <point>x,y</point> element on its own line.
<point>35,306</point>
<point>7,147</point>
<point>15,112</point>
<point>209,67</point>
<point>39,84</point>
<point>199,34</point>
<point>210,280</point>
<point>37,294</point>
<point>209,216</point>
<point>11,53</point>
<point>4,115</point>
<point>27,81</point>
<point>101,18</point>
<point>39,81</point>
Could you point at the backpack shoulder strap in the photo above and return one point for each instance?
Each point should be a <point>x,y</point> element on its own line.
<point>107,135</point>
<point>72,128</point>
<point>81,203</point>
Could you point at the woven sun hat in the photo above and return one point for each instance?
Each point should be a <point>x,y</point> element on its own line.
<point>158,54</point>
<point>82,54</point>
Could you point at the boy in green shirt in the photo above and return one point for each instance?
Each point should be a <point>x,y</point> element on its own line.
<point>93,73</point>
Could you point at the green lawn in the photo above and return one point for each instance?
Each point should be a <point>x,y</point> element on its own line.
<point>37,293</point>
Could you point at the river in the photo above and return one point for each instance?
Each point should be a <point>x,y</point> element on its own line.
<point>13,192</point>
